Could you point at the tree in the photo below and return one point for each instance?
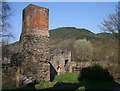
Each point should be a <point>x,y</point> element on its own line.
<point>4,18</point>
<point>84,49</point>
<point>61,44</point>
<point>112,25</point>
<point>105,52</point>
<point>5,50</point>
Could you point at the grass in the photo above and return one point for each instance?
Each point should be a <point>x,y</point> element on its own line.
<point>67,86</point>
<point>99,85</point>
<point>44,85</point>
<point>8,85</point>
<point>67,77</point>
<point>71,83</point>
<point>88,85</point>
<point>84,85</point>
<point>71,78</point>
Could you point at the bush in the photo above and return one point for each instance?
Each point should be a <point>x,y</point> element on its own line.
<point>95,72</point>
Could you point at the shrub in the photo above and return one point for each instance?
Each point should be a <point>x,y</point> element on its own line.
<point>95,72</point>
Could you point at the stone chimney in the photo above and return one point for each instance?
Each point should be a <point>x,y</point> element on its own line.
<point>34,43</point>
<point>35,20</point>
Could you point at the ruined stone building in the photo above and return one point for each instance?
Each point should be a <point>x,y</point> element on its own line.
<point>34,43</point>
<point>37,61</point>
<point>60,59</point>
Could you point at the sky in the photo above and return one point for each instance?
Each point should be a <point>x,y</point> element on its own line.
<point>86,15</point>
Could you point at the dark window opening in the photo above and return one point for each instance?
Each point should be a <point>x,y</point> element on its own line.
<point>66,61</point>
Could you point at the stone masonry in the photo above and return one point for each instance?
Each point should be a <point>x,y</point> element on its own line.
<point>34,43</point>
<point>61,58</point>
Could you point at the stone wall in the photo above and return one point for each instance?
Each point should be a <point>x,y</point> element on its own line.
<point>34,43</point>
<point>35,51</point>
<point>61,58</point>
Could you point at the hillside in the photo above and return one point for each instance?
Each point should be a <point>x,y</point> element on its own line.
<point>72,32</point>
<point>60,34</point>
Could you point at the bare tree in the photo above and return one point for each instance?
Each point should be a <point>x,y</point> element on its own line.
<point>112,24</point>
<point>4,18</point>
<point>5,34</point>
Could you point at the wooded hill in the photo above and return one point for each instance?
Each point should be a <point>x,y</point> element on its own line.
<point>64,33</point>
<point>104,45</point>
<point>72,32</point>
<point>75,33</point>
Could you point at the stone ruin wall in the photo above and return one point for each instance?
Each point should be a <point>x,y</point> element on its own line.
<point>58,57</point>
<point>34,43</point>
